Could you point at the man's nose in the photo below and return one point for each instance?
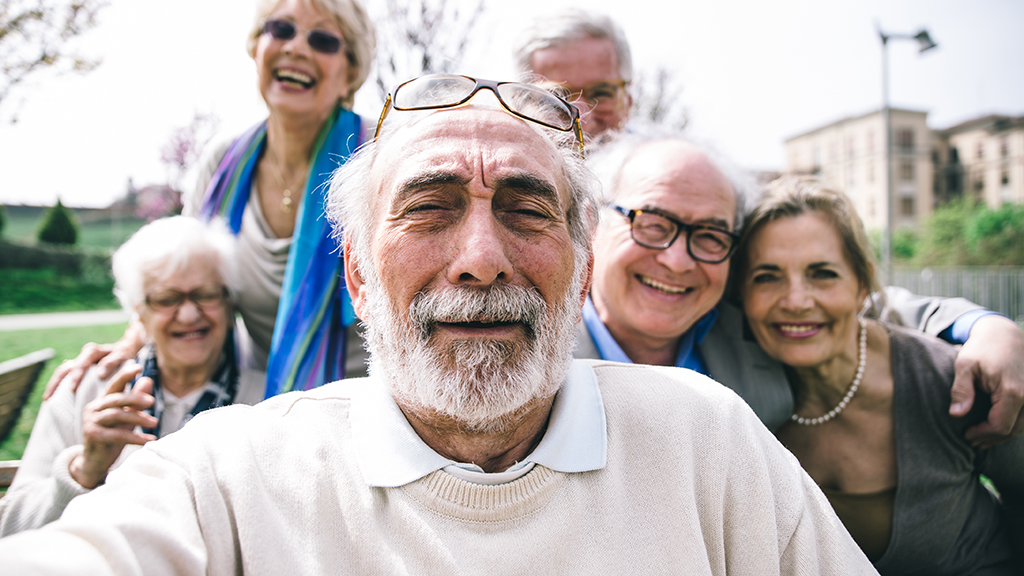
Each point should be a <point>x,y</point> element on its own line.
<point>481,256</point>
<point>676,258</point>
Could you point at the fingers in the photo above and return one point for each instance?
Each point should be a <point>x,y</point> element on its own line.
<point>74,370</point>
<point>1005,421</point>
<point>962,394</point>
<point>128,373</point>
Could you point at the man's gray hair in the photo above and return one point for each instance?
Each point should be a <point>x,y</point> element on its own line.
<point>552,30</point>
<point>167,247</point>
<point>608,161</point>
<point>353,201</point>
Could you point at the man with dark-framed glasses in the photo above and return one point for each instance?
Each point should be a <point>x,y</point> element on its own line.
<point>661,265</point>
<point>477,445</point>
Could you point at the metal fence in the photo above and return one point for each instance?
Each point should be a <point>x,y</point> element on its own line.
<point>999,289</point>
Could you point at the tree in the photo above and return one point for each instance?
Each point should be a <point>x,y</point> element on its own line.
<point>179,154</point>
<point>416,37</point>
<point>57,226</point>
<point>34,36</point>
<point>657,99</point>
<point>3,218</point>
<point>964,233</point>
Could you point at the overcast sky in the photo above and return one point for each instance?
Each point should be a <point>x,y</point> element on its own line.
<point>755,72</point>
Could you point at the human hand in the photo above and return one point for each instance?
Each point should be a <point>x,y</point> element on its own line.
<point>108,424</point>
<point>991,361</point>
<point>106,357</point>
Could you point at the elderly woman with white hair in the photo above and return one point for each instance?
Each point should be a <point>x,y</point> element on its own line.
<point>178,275</point>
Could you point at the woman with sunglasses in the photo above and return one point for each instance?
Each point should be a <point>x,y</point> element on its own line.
<point>178,276</point>
<point>269,185</point>
<point>871,423</point>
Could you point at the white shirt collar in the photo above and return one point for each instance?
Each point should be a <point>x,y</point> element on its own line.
<point>391,454</point>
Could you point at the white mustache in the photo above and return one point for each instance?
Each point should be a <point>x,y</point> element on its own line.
<point>500,303</point>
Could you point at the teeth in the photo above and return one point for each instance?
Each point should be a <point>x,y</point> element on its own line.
<point>195,334</point>
<point>801,329</point>
<point>663,287</point>
<point>294,76</point>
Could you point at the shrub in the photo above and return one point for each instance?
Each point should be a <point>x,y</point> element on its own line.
<point>57,226</point>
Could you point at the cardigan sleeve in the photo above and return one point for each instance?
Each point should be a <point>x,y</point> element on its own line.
<point>43,486</point>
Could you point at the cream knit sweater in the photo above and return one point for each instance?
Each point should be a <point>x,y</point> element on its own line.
<point>694,484</point>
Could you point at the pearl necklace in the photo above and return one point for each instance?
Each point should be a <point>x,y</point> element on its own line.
<point>861,362</point>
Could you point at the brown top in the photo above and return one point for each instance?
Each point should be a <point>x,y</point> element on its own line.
<point>868,517</point>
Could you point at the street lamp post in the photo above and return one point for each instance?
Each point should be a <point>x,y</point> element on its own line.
<point>925,43</point>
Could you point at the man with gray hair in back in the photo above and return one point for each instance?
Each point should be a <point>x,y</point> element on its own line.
<point>587,55</point>
<point>477,445</point>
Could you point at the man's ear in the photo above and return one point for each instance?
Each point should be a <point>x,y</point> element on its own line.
<point>354,282</point>
<point>588,281</point>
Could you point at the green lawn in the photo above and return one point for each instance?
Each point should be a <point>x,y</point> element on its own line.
<point>94,230</point>
<point>67,342</point>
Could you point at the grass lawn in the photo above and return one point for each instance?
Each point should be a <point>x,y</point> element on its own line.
<point>67,342</point>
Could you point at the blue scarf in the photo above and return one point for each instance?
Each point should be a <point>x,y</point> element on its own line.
<point>308,345</point>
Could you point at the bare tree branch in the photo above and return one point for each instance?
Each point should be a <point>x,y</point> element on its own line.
<point>417,37</point>
<point>657,99</point>
<point>34,36</point>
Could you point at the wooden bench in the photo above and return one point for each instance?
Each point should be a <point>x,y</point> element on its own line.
<point>17,378</point>
<point>8,468</point>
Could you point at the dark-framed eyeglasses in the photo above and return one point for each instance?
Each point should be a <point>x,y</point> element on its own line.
<point>206,297</point>
<point>600,94</point>
<point>526,101</point>
<point>650,229</point>
<point>319,40</point>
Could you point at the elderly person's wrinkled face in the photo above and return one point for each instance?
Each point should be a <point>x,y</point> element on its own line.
<point>187,315</point>
<point>800,292</point>
<point>474,291</point>
<point>296,75</point>
<point>589,69</point>
<point>652,296</point>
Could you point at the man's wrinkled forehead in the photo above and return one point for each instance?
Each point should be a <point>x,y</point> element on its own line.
<point>469,141</point>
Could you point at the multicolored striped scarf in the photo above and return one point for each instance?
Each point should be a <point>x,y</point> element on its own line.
<point>308,345</point>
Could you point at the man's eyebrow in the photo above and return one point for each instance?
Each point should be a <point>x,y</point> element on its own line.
<point>420,181</point>
<point>526,182</point>
<point>716,222</point>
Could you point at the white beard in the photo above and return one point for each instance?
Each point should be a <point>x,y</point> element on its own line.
<point>481,383</point>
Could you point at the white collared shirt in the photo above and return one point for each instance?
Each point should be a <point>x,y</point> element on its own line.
<point>391,454</point>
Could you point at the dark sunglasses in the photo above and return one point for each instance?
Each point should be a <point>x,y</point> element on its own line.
<point>323,42</point>
<point>526,101</point>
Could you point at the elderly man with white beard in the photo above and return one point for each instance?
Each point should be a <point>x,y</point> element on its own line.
<point>476,445</point>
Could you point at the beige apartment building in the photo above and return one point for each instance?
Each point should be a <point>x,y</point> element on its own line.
<point>850,154</point>
<point>983,158</point>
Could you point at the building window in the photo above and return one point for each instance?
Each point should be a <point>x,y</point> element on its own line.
<point>905,140</point>
<point>817,158</point>
<point>1004,179</point>
<point>907,206</point>
<point>979,184</point>
<point>906,171</point>
<point>871,171</point>
<point>871,141</point>
<point>981,149</point>
<point>954,155</point>
<point>1004,147</point>
<point>851,179</point>
<point>850,147</point>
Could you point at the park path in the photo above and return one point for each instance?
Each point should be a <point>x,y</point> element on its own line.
<point>9,322</point>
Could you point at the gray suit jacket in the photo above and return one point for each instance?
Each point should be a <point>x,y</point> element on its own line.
<point>736,360</point>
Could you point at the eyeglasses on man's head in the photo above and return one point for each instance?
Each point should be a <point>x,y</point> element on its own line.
<point>319,40</point>
<point>650,229</point>
<point>526,101</point>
